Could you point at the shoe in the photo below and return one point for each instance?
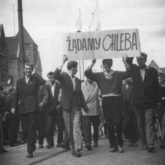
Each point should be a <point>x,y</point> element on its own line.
<point>132,144</point>
<point>162,146</point>
<point>65,146</point>
<point>3,150</point>
<point>113,149</point>
<point>151,150</point>
<point>41,146</point>
<point>120,149</point>
<point>48,146</point>
<point>29,155</point>
<point>14,144</point>
<point>144,147</point>
<point>76,153</point>
<point>59,145</point>
<point>88,147</point>
<point>95,144</point>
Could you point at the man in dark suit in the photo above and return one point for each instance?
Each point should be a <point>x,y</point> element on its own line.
<point>51,112</point>
<point>41,119</point>
<point>145,97</point>
<point>26,96</point>
<point>72,100</point>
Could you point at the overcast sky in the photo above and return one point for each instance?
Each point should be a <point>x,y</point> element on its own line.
<point>47,20</point>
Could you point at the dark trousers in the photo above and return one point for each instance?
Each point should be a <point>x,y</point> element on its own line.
<point>13,128</point>
<point>130,123</point>
<point>87,122</point>
<point>1,135</point>
<point>28,122</point>
<point>146,126</point>
<point>41,121</point>
<point>60,125</point>
<point>112,109</point>
<point>5,127</point>
<point>50,128</point>
<point>162,124</point>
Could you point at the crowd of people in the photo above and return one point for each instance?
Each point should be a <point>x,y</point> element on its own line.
<point>128,105</point>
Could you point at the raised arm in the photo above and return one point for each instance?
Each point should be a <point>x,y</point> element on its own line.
<point>89,73</point>
<point>57,72</point>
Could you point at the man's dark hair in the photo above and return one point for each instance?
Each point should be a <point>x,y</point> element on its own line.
<point>129,60</point>
<point>71,64</point>
<point>50,74</point>
<point>144,54</point>
<point>107,62</point>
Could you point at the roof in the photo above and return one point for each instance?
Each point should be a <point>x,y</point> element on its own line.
<point>162,70</point>
<point>27,38</point>
<point>12,46</point>
<point>154,65</point>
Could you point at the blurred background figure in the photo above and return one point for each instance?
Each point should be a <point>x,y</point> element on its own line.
<point>41,120</point>
<point>2,110</point>
<point>12,119</point>
<point>92,117</point>
<point>130,122</point>
<point>161,108</point>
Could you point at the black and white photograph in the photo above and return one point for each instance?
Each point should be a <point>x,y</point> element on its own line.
<point>82,82</point>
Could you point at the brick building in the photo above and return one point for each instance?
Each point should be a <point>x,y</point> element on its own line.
<point>10,63</point>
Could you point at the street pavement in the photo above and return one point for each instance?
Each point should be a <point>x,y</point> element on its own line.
<point>98,156</point>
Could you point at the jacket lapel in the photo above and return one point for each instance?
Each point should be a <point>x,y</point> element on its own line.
<point>70,81</point>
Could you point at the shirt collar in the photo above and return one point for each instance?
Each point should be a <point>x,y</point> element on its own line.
<point>71,75</point>
<point>108,75</point>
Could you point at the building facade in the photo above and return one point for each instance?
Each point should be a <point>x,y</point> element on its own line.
<point>3,57</point>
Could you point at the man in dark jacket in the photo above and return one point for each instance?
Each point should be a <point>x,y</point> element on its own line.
<point>145,97</point>
<point>26,96</point>
<point>41,119</point>
<point>72,100</point>
<point>53,89</point>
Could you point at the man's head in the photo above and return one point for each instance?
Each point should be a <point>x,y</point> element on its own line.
<point>142,60</point>
<point>51,77</point>
<point>107,64</point>
<point>129,60</point>
<point>28,69</point>
<point>72,67</point>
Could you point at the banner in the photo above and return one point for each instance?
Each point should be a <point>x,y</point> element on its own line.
<point>102,44</point>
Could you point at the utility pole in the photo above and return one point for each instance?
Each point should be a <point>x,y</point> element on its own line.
<point>21,60</point>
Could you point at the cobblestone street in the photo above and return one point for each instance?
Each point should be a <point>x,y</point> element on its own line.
<point>98,156</point>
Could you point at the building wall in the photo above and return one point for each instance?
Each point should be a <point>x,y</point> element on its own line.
<point>14,70</point>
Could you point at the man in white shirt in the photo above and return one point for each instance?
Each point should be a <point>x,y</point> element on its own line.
<point>51,111</point>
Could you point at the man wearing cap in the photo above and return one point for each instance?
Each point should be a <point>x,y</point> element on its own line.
<point>26,97</point>
<point>72,100</point>
<point>110,84</point>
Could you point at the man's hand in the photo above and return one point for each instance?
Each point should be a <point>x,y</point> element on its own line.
<point>92,64</point>
<point>93,61</point>
<point>13,110</point>
<point>65,58</point>
<point>124,59</point>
